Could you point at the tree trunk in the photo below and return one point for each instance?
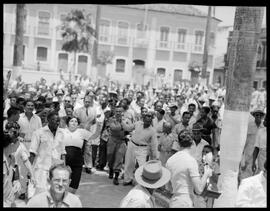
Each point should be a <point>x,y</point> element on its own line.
<point>18,47</point>
<point>95,47</point>
<point>242,64</point>
<point>206,44</point>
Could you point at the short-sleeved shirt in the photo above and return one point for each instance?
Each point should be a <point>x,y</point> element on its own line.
<point>44,199</point>
<point>181,175</point>
<point>28,127</point>
<point>76,138</point>
<point>145,136</point>
<point>47,147</point>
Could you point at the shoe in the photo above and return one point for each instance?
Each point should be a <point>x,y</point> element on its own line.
<point>22,196</point>
<point>127,183</point>
<point>115,181</point>
<point>88,170</point>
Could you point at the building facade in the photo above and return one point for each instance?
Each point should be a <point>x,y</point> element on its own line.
<point>221,63</point>
<point>152,43</point>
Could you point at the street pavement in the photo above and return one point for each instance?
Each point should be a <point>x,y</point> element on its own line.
<point>97,190</point>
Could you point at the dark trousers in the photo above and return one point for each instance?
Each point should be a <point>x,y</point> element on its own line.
<point>94,154</point>
<point>102,159</point>
<point>115,153</point>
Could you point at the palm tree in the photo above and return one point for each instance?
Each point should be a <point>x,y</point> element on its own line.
<point>77,34</point>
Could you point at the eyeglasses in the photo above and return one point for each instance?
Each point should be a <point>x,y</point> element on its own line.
<point>67,101</point>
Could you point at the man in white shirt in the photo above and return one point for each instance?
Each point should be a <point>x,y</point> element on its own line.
<point>149,177</point>
<point>259,152</point>
<point>29,122</point>
<point>47,148</point>
<point>252,190</point>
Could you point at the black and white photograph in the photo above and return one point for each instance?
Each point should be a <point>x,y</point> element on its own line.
<point>136,105</point>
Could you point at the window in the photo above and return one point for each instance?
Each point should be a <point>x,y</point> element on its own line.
<point>43,23</point>
<point>63,17</point>
<point>82,64</point>
<point>141,31</point>
<point>42,54</point>
<point>181,33</point>
<point>212,39</point>
<point>255,84</point>
<point>120,65</point>
<point>63,62</point>
<point>178,75</point>
<point>122,33</point>
<point>264,84</point>
<point>104,31</point>
<point>161,72</point>
<point>199,40</point>
<point>199,37</point>
<point>164,36</point>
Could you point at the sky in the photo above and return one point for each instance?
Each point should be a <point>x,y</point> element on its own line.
<point>225,14</point>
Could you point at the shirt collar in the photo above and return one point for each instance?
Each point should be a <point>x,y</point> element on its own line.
<point>52,202</point>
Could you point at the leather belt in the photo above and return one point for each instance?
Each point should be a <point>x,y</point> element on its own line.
<point>139,145</point>
<point>27,141</point>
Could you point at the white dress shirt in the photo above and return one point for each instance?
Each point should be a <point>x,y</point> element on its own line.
<point>28,127</point>
<point>47,147</point>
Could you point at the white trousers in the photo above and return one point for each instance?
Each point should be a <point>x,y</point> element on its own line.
<point>134,153</point>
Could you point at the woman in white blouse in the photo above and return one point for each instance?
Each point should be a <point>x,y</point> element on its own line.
<point>74,141</point>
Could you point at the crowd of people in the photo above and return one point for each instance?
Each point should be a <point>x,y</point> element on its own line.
<point>152,138</point>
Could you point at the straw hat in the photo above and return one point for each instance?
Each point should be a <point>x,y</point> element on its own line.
<point>173,105</point>
<point>257,110</point>
<point>152,175</point>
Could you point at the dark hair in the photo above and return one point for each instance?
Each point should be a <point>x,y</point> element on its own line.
<point>191,104</point>
<point>72,117</point>
<point>143,108</point>
<point>185,139</point>
<point>7,139</point>
<point>42,99</point>
<point>186,112</point>
<point>29,100</point>
<point>127,100</point>
<point>59,166</point>
<point>209,147</point>
<point>13,110</point>
<point>206,109</point>
<point>51,114</point>
<point>162,112</point>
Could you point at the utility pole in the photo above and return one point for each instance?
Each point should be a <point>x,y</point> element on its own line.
<point>18,48</point>
<point>95,46</point>
<point>206,44</point>
<point>240,75</point>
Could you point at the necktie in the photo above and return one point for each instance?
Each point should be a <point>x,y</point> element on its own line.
<point>87,112</point>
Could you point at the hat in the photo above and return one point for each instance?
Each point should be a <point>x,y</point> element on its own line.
<point>49,95</point>
<point>59,92</point>
<point>152,175</point>
<point>257,110</point>
<point>173,105</point>
<point>113,93</point>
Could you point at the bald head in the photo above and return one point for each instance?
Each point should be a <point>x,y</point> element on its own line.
<point>167,127</point>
